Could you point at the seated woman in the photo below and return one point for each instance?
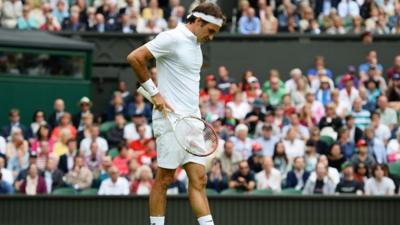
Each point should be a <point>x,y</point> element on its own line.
<point>379,183</point>
<point>144,181</point>
<point>217,178</point>
<point>33,184</point>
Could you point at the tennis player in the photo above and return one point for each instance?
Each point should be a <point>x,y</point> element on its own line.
<point>178,60</point>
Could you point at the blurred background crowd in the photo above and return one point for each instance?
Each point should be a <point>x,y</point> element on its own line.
<point>314,133</point>
<point>249,17</point>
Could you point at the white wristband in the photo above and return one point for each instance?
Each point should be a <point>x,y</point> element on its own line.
<point>150,87</point>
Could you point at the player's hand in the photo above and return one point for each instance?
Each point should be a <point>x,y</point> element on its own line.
<point>161,105</point>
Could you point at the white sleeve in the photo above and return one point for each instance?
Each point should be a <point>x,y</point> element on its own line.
<point>101,189</point>
<point>161,45</point>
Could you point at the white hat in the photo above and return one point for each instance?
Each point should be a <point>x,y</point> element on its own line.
<point>85,99</point>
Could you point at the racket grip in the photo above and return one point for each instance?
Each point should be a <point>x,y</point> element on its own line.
<point>145,94</point>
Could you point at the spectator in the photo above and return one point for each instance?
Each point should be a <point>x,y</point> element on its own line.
<point>346,145</point>
<point>254,116</point>
<point>6,173</point>
<point>149,152</point>
<point>84,109</point>
<point>298,96</point>
<point>230,158</point>
<point>362,117</point>
<point>44,154</point>
<point>388,115</point>
<point>99,24</point>
<point>243,179</point>
<point>10,12</point>
<point>138,146</point>
<point>348,9</point>
<point>330,119</point>
<point>394,92</point>
<point>239,106</point>
<point>16,144</point>
<point>117,105</point>
<point>53,176</point>
<point>94,137</point>
<point>348,184</point>
<point>363,156</point>
<point>336,158</point>
<point>133,166</point>
<point>249,23</point>
<point>139,106</point>
<point>60,12</point>
<point>321,183</point>
<point>393,148</point>
<point>323,94</point>
<point>361,173</point>
<point>2,146</point>
<point>311,155</point>
<point>214,107</point>
<point>5,187</point>
<point>114,185</point>
<point>152,10</point>
<point>395,69</point>
<point>14,117</point>
<point>349,93</point>
<point>116,134</point>
<point>269,178</point>
<point>50,24</point>
<point>217,179</point>
<point>242,143</point>
<point>319,64</point>
<point>79,177</point>
<point>267,140</point>
<point>224,81</point>
<point>256,159</point>
<point>301,132</point>
<point>317,109</point>
<point>33,184</point>
<point>122,159</point>
<point>382,132</point>
<point>93,161</point>
<point>297,177</point>
<point>87,123</point>
<point>66,161</point>
<point>373,93</point>
<point>356,26</point>
<point>274,91</point>
<point>130,131</point>
<point>372,59</point>
<point>268,22</point>
<point>59,110</point>
<point>355,133</point>
<point>293,145</point>
<point>337,27</point>
<point>376,147</point>
<point>379,183</point>
<point>38,120</point>
<point>333,173</point>
<point>281,161</point>
<point>26,22</point>
<point>65,124</point>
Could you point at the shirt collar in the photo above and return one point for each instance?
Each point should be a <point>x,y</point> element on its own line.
<point>187,32</point>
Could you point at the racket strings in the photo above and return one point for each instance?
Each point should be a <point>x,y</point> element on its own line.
<point>196,136</point>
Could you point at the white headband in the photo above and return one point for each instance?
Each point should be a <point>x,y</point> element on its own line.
<point>208,18</point>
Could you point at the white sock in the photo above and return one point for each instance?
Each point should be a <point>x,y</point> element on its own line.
<point>157,220</point>
<point>205,220</point>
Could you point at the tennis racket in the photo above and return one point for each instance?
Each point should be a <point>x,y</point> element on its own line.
<point>193,134</point>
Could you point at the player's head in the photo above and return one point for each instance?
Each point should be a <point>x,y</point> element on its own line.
<point>206,20</point>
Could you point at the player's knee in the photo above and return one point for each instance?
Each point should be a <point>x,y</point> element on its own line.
<point>165,181</point>
<point>200,181</point>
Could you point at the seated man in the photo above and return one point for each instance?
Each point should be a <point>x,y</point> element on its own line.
<point>297,177</point>
<point>269,178</point>
<point>79,177</point>
<point>243,179</point>
<point>348,185</point>
<point>115,184</point>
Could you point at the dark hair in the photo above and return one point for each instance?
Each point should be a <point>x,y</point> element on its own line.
<point>348,117</point>
<point>276,154</point>
<point>122,145</point>
<point>375,113</point>
<point>36,112</point>
<point>376,167</point>
<point>207,8</point>
<point>40,128</point>
<point>12,111</point>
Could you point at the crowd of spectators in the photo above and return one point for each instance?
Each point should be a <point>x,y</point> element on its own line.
<point>249,17</point>
<point>316,133</point>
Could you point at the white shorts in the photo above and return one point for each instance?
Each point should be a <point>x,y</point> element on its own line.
<point>170,155</point>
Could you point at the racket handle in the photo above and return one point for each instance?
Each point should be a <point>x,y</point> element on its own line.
<point>145,94</point>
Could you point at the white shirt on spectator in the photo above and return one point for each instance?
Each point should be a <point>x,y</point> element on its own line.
<point>382,132</point>
<point>243,148</point>
<point>2,145</point>
<point>348,99</point>
<point>333,174</point>
<point>273,181</point>
<point>239,111</point>
<point>121,187</point>
<point>130,132</point>
<point>85,145</point>
<point>10,13</point>
<point>295,148</point>
<point>348,8</point>
<point>385,187</point>
<point>7,175</point>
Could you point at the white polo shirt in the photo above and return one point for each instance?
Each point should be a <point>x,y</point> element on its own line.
<point>178,59</point>
<point>121,187</point>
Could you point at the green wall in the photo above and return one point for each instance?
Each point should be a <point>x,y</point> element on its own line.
<point>28,94</point>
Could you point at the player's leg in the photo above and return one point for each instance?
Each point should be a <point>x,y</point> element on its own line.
<point>158,198</point>
<point>197,192</point>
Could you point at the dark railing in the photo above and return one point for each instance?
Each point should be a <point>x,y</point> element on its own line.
<point>227,210</point>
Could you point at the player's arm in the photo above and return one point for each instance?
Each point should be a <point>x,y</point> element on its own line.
<point>138,60</point>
